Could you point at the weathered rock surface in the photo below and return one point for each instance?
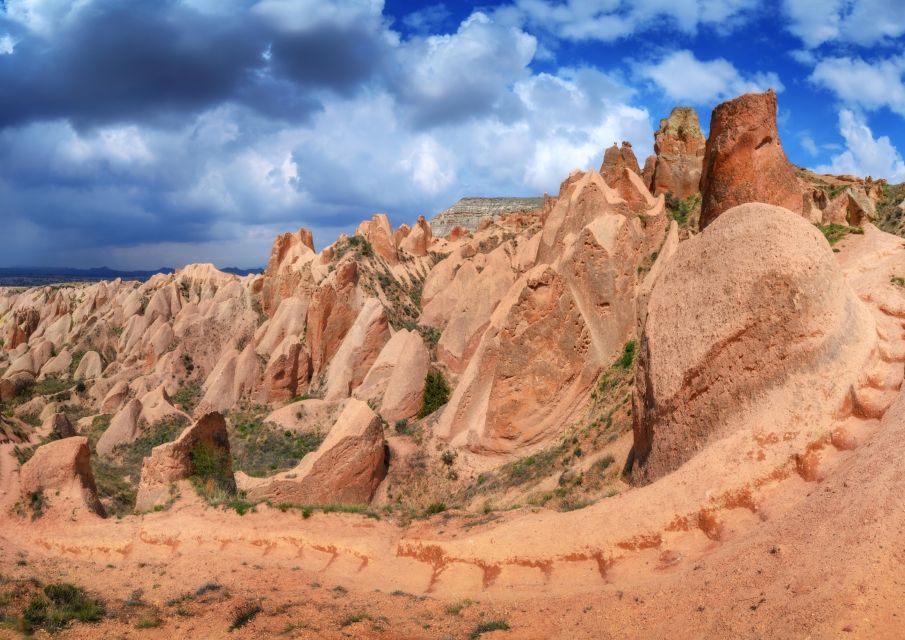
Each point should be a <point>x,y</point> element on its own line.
<point>396,379</point>
<point>467,213</point>
<point>617,158</point>
<point>744,160</point>
<point>679,147</point>
<point>757,301</point>
<point>61,470</point>
<point>173,461</point>
<point>346,468</point>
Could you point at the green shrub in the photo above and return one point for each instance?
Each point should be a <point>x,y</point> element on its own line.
<point>487,627</point>
<point>436,393</point>
<point>835,232</point>
<point>628,356</point>
<point>435,508</point>
<point>58,605</point>
<point>244,614</point>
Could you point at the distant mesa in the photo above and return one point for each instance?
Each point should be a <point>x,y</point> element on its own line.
<point>468,212</point>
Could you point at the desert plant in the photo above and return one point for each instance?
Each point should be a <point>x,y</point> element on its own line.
<point>487,627</point>
<point>436,393</point>
<point>57,606</point>
<point>244,614</point>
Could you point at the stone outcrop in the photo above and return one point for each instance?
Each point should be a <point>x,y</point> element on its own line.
<point>58,427</point>
<point>91,366</point>
<point>770,309</point>
<point>849,208</point>
<point>206,441</point>
<point>679,147</point>
<point>61,471</point>
<point>744,160</point>
<point>396,379</point>
<point>617,158</point>
<point>418,240</point>
<point>468,213</point>
<point>346,468</point>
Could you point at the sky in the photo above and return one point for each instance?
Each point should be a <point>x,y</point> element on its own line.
<point>154,133</point>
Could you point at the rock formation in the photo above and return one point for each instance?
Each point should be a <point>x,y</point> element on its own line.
<point>61,471</point>
<point>346,468</point>
<point>744,160</point>
<point>467,213</point>
<point>771,309</point>
<point>679,147</point>
<point>617,158</point>
<point>201,450</point>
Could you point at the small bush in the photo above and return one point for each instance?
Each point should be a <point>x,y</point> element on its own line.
<point>435,508</point>
<point>402,426</point>
<point>836,232</point>
<point>628,356</point>
<point>436,393</point>
<point>57,606</point>
<point>487,627</point>
<point>244,614</point>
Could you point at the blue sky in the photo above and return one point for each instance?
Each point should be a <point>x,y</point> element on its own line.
<point>148,133</point>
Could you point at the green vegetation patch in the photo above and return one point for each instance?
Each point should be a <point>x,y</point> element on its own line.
<point>56,606</point>
<point>436,393</point>
<point>262,448</point>
<point>835,232</point>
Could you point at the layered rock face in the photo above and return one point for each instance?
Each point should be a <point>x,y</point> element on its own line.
<point>744,160</point>
<point>755,301</point>
<point>61,470</point>
<point>679,147</point>
<point>468,213</point>
<point>346,468</point>
<point>205,442</point>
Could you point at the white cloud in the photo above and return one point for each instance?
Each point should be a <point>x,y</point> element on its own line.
<point>451,77</point>
<point>609,20</point>
<point>865,155</point>
<point>868,84</point>
<point>862,22</point>
<point>7,44</point>
<point>807,143</point>
<point>43,17</point>
<point>683,77</point>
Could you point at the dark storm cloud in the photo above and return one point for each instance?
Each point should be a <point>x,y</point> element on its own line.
<point>127,61</point>
<point>336,57</point>
<point>151,61</point>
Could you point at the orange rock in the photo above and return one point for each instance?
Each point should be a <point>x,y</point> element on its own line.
<point>744,160</point>
<point>379,233</point>
<point>62,471</point>
<point>615,159</point>
<point>346,468</point>
<point>679,147</point>
<point>770,304</point>
<point>418,240</point>
<point>173,461</point>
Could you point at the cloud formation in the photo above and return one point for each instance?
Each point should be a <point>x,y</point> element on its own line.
<point>683,77</point>
<point>865,155</point>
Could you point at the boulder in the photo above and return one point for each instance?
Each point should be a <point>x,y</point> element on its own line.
<point>757,302</point>
<point>124,427</point>
<point>849,208</point>
<point>744,160</point>
<point>207,441</point>
<point>346,468</point>
<point>91,366</point>
<point>62,471</point>
<point>679,147</point>
<point>115,397</point>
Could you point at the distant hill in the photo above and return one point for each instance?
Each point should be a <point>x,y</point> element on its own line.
<point>468,212</point>
<point>36,276</point>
